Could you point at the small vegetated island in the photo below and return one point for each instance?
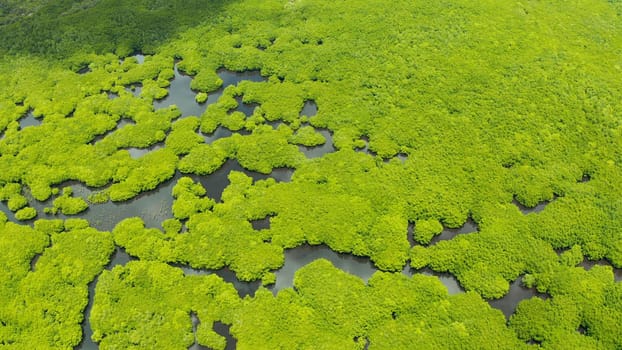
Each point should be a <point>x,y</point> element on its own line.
<point>414,134</point>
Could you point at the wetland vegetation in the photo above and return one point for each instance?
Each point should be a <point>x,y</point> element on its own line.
<point>283,174</point>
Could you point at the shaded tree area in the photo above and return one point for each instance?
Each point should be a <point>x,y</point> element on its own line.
<point>62,28</point>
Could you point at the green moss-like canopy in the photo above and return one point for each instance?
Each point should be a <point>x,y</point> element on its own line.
<point>439,112</point>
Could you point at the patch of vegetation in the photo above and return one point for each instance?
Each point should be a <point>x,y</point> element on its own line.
<point>464,108</point>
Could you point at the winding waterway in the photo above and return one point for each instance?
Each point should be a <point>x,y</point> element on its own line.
<point>155,206</point>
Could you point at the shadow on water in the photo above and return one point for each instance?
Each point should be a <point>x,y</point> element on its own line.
<point>261,224</point>
<point>33,262</point>
<point>518,292</point>
<point>118,257</point>
<point>298,257</point>
<point>29,120</point>
<point>469,226</point>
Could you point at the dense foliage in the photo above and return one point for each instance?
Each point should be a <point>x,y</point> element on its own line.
<point>440,112</point>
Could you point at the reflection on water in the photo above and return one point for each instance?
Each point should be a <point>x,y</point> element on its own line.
<point>180,94</point>
<point>309,109</point>
<point>139,152</point>
<point>298,257</point>
<point>517,292</point>
<point>469,226</point>
<point>29,120</point>
<point>140,58</point>
<point>152,206</point>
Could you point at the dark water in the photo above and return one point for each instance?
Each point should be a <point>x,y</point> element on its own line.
<point>180,94</point>
<point>588,264</point>
<point>232,78</point>
<point>448,280</point>
<point>195,324</point>
<point>246,108</point>
<point>319,151</point>
<point>365,148</point>
<point>517,293</point>
<point>139,152</point>
<point>120,124</point>
<point>223,330</point>
<point>119,257</point>
<point>243,288</point>
<point>29,120</point>
<point>135,89</point>
<point>448,233</point>
<point>9,214</point>
<point>216,182</point>
<point>526,210</point>
<point>410,234</point>
<point>298,257</point>
<point>219,133</point>
<point>261,224</point>
<point>309,109</point>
